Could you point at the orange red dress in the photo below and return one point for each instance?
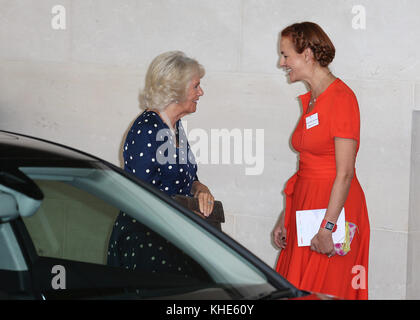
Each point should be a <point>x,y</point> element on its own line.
<point>337,114</point>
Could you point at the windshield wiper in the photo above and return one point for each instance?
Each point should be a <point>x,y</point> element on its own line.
<point>276,294</point>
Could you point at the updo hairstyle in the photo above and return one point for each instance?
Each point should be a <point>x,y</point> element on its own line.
<point>310,35</point>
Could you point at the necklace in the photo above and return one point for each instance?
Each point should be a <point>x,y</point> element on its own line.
<point>168,122</point>
<point>165,118</point>
<point>313,99</point>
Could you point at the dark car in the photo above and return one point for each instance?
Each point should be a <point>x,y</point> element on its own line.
<point>57,210</point>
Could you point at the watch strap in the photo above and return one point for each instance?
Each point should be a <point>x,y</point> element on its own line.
<point>328,225</point>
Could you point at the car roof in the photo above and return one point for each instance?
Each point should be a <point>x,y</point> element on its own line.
<point>19,149</point>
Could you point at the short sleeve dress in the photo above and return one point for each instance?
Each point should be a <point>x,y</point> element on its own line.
<point>150,153</point>
<point>335,114</point>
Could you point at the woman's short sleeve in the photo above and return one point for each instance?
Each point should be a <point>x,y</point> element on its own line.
<point>345,117</point>
<point>140,153</point>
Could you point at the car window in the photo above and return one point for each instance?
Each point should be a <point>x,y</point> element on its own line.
<point>77,220</point>
<point>71,224</point>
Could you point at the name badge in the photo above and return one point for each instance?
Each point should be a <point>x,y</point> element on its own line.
<point>312,121</point>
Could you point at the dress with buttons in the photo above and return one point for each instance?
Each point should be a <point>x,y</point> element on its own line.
<point>151,153</point>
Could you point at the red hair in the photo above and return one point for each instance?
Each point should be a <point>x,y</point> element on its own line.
<point>310,35</point>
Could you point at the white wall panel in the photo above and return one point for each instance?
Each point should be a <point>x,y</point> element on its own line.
<point>79,86</point>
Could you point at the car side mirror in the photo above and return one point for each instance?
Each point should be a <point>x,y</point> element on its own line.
<point>14,203</point>
<point>8,206</point>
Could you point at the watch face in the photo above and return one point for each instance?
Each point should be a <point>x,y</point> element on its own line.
<point>329,226</point>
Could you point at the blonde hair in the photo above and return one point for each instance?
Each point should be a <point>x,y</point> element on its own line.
<point>167,79</point>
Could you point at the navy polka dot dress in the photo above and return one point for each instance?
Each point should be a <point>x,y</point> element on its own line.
<point>151,153</point>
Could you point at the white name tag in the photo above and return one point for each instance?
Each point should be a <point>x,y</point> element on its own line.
<point>312,121</point>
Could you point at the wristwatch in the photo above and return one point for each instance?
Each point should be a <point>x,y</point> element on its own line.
<point>329,225</point>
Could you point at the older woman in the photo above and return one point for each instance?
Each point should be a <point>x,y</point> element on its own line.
<point>327,139</point>
<point>156,150</point>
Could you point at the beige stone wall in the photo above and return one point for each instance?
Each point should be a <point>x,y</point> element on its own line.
<point>79,87</point>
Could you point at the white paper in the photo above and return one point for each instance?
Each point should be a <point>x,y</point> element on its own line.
<point>309,221</point>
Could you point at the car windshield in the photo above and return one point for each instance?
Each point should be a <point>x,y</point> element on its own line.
<point>227,274</point>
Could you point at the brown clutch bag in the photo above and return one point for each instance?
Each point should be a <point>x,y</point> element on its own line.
<point>216,217</point>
